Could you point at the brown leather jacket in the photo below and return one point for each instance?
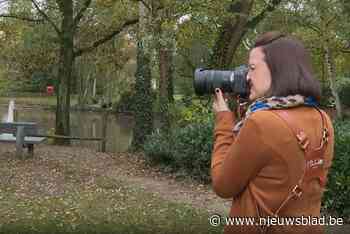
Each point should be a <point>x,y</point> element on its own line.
<point>259,167</point>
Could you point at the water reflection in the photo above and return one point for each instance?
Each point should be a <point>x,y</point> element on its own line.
<point>84,124</point>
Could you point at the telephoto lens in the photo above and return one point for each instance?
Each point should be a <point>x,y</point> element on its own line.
<point>230,81</point>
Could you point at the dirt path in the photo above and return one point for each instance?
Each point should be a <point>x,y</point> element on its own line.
<point>134,170</point>
<point>170,188</point>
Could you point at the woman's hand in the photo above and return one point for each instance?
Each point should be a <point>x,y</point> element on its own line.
<point>220,103</point>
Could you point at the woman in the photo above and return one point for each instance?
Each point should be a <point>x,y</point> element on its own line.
<point>274,162</point>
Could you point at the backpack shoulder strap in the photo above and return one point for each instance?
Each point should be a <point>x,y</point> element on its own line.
<point>300,135</point>
<point>313,158</point>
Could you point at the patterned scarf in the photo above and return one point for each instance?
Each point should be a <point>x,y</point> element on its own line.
<point>275,103</point>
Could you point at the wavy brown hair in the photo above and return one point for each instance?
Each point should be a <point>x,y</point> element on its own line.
<point>290,66</point>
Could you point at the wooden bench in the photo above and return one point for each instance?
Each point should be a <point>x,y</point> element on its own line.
<point>21,133</point>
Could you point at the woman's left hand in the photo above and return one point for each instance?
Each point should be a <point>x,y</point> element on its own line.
<point>219,104</point>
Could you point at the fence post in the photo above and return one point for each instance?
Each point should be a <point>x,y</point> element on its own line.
<point>104,131</point>
<point>19,142</point>
<point>15,115</point>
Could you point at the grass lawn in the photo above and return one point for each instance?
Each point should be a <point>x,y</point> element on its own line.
<point>73,190</point>
<point>112,208</point>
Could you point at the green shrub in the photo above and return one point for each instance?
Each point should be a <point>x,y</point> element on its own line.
<point>127,101</point>
<point>183,114</point>
<point>158,148</point>
<point>192,149</point>
<point>326,98</point>
<point>336,199</point>
<point>185,149</point>
<point>344,94</point>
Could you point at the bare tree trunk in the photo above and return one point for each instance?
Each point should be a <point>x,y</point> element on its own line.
<point>83,80</point>
<point>164,68</point>
<point>231,34</point>
<point>331,77</point>
<point>80,84</point>
<point>66,61</point>
<point>110,86</point>
<point>234,29</point>
<point>165,46</point>
<point>94,89</point>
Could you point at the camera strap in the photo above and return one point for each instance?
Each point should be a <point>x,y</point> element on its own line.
<point>313,161</point>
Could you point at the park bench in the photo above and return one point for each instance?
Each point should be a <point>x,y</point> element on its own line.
<point>21,133</point>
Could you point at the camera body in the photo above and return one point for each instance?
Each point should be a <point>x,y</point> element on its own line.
<point>229,81</point>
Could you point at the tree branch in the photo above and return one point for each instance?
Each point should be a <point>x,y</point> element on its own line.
<point>22,18</point>
<point>46,17</point>
<point>81,13</point>
<point>330,20</point>
<point>271,6</point>
<point>314,27</point>
<point>145,4</point>
<point>304,23</point>
<point>108,37</point>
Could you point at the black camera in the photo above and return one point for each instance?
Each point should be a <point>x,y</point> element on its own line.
<point>231,81</point>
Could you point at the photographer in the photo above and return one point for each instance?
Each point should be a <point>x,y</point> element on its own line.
<point>275,161</point>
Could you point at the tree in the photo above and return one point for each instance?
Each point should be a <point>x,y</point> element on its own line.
<point>163,32</point>
<point>26,49</point>
<point>143,102</point>
<point>233,29</point>
<point>70,14</point>
<point>323,18</point>
<point>213,31</point>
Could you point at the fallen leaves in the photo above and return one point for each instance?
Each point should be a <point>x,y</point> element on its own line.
<point>72,188</point>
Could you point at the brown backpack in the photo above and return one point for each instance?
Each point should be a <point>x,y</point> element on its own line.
<point>314,160</point>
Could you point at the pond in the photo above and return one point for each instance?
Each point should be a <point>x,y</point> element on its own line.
<point>83,124</point>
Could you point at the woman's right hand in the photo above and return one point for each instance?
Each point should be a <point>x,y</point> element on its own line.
<point>220,103</point>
